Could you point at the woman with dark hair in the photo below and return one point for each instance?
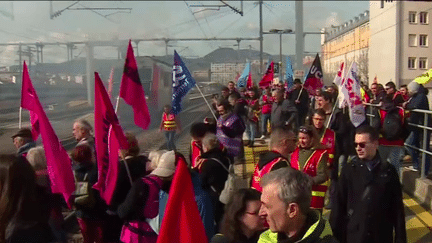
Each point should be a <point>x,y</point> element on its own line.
<point>24,210</point>
<point>241,222</point>
<point>311,158</point>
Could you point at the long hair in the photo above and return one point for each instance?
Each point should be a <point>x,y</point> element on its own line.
<point>18,192</point>
<point>234,210</point>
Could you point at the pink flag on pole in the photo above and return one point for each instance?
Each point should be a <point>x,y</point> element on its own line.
<point>59,165</point>
<point>267,79</point>
<point>27,102</point>
<point>132,92</point>
<point>109,138</point>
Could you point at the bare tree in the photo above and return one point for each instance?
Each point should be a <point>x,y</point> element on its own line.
<point>363,66</point>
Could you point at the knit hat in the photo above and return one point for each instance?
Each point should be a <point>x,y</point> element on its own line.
<point>413,87</point>
<point>166,166</point>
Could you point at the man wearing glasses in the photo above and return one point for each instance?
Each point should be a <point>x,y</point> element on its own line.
<point>368,204</point>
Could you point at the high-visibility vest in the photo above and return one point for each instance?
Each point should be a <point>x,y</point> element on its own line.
<point>169,122</point>
<point>196,151</point>
<point>311,165</point>
<point>329,140</point>
<point>267,104</point>
<point>258,174</point>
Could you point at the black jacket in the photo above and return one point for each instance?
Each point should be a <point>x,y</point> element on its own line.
<point>268,157</point>
<point>137,168</point>
<point>283,114</point>
<point>303,106</point>
<point>368,204</point>
<point>418,101</point>
<point>212,174</point>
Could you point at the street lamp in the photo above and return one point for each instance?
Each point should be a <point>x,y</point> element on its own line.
<point>280,32</point>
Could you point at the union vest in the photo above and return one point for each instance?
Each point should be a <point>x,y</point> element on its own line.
<point>267,104</point>
<point>311,165</point>
<point>329,140</point>
<point>258,174</point>
<point>169,122</point>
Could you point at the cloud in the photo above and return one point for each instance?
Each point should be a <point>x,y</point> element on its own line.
<point>333,19</point>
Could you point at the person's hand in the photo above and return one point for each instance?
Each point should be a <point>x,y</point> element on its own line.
<point>404,104</point>
<point>297,102</point>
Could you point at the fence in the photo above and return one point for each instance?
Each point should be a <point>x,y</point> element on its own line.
<point>424,145</point>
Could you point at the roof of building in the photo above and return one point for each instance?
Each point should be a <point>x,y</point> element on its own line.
<point>337,31</point>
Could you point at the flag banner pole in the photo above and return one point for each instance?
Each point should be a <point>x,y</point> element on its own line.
<point>20,118</point>
<point>298,97</point>
<point>117,104</point>
<point>211,110</point>
<point>331,115</point>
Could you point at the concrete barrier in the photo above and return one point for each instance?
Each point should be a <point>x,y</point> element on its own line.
<point>419,188</point>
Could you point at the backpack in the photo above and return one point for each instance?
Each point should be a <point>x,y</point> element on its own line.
<point>393,126</point>
<point>229,187</point>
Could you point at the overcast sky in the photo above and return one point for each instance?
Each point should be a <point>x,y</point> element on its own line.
<point>173,19</point>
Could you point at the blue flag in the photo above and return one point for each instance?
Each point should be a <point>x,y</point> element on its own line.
<point>242,80</point>
<point>289,74</point>
<point>182,82</point>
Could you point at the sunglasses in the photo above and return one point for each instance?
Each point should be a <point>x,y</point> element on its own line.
<point>361,145</point>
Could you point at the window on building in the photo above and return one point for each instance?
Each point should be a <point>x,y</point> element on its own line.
<point>423,40</point>
<point>412,17</point>
<point>411,62</point>
<point>412,40</point>
<point>423,62</point>
<point>423,17</point>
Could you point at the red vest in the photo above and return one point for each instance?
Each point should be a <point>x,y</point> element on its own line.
<point>169,122</point>
<point>329,140</point>
<point>267,104</point>
<point>258,174</point>
<point>318,191</point>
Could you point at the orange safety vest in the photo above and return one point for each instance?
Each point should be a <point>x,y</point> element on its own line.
<point>318,191</point>
<point>258,174</point>
<point>169,122</point>
<point>329,140</point>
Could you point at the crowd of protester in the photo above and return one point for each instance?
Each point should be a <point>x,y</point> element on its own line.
<point>317,159</point>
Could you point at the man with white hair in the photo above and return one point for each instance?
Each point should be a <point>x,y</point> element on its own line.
<point>81,131</point>
<point>285,201</point>
<point>418,100</point>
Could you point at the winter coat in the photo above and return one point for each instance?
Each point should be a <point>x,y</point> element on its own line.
<point>368,203</point>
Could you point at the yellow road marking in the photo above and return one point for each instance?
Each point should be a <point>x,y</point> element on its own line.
<point>424,216</point>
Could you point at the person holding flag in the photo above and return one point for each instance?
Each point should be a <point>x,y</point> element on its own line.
<point>301,101</point>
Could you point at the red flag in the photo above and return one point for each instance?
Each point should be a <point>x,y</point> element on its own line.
<point>268,77</point>
<point>182,222</point>
<point>249,83</point>
<point>132,92</point>
<point>110,83</point>
<point>314,79</point>
<point>375,80</point>
<point>155,85</point>
<point>59,165</point>
<point>106,126</point>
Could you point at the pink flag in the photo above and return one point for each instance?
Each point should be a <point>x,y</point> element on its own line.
<point>109,138</point>
<point>110,83</point>
<point>59,165</point>
<point>132,92</point>
<point>27,102</point>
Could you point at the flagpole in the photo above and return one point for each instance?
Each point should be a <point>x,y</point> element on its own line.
<point>206,102</point>
<point>19,116</point>
<point>117,104</point>
<point>331,115</point>
<point>298,97</point>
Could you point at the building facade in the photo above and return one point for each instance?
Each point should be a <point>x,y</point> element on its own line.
<point>399,40</point>
<point>346,43</point>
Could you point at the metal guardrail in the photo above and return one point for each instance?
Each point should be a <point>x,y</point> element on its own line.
<point>425,128</point>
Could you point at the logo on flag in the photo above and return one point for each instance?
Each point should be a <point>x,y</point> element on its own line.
<point>314,79</point>
<point>182,82</point>
<point>289,75</point>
